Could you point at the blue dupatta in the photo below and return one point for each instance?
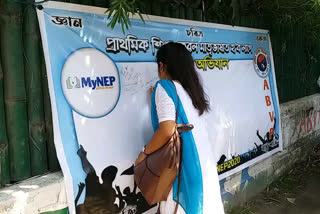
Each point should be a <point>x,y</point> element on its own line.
<point>191,186</point>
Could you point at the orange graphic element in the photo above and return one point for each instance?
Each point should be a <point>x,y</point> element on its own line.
<point>265,85</point>
<point>260,58</point>
<point>271,115</point>
<point>268,102</point>
<point>271,131</point>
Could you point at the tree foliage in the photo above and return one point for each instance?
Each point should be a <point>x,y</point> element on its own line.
<point>289,13</point>
<point>120,10</point>
<point>282,12</point>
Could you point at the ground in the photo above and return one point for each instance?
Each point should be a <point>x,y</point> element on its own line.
<point>296,192</point>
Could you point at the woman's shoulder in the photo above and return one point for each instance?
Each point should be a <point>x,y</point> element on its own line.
<point>165,83</point>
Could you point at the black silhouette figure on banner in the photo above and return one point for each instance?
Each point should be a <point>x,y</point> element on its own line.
<point>258,150</point>
<point>234,156</point>
<point>222,159</point>
<point>267,138</point>
<point>101,198</point>
<point>86,165</point>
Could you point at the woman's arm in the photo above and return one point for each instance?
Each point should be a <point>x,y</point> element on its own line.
<point>166,115</point>
<point>159,138</point>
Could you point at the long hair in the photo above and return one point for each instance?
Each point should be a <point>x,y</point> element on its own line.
<point>180,67</point>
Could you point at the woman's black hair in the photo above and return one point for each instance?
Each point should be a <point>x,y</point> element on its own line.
<point>180,67</point>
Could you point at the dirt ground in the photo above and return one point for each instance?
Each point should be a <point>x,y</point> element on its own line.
<point>296,192</point>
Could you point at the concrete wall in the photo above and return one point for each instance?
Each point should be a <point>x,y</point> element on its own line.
<point>301,131</point>
<point>35,195</point>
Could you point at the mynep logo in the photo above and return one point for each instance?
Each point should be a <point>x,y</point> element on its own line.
<point>90,83</point>
<point>73,82</point>
<point>105,82</point>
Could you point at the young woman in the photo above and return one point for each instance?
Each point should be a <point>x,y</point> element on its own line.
<point>199,191</point>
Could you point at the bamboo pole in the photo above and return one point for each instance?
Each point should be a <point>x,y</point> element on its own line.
<point>156,9</point>
<point>197,14</point>
<point>101,3</point>
<point>189,13</point>
<point>75,1</point>
<point>52,155</point>
<point>86,2</point>
<point>4,154</point>
<point>165,10</point>
<point>14,89</point>
<point>175,12</point>
<point>32,64</point>
<point>147,6</point>
<point>182,13</point>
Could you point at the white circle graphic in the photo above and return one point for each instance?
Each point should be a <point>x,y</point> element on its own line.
<point>90,82</point>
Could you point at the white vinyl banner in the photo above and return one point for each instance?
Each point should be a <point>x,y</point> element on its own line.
<point>99,80</point>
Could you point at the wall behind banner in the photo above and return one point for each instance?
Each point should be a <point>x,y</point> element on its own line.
<point>25,116</point>
<point>26,135</point>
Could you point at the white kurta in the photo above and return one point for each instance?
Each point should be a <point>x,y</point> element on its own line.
<point>212,202</point>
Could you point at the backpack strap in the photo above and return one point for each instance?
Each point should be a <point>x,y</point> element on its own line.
<point>179,177</point>
<point>181,148</point>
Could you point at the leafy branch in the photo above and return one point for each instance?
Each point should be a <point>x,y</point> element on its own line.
<point>120,10</point>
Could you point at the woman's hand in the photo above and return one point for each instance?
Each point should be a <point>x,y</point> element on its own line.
<point>140,158</point>
<point>151,90</point>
